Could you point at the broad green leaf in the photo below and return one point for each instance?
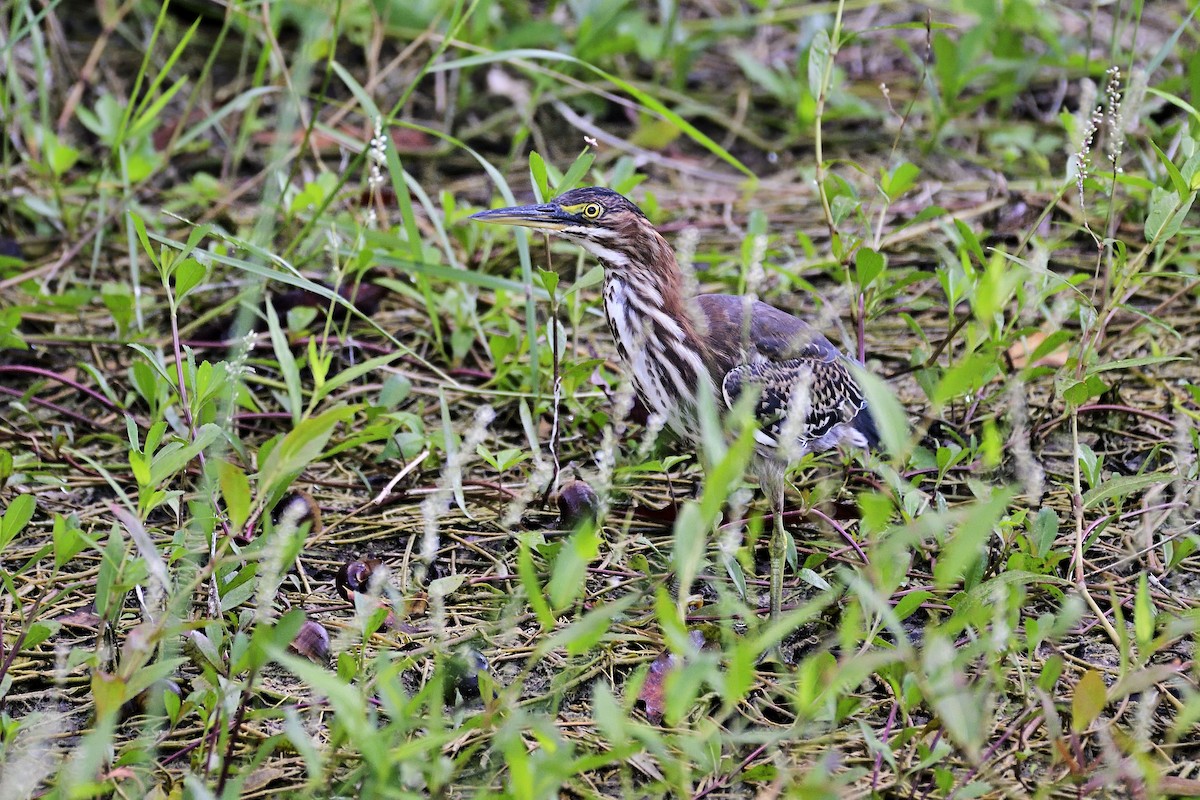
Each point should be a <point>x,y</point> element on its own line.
<point>900,180</point>
<point>890,417</point>
<point>537,171</point>
<point>235,488</point>
<point>1123,485</point>
<point>690,538</point>
<point>533,589</point>
<point>39,632</point>
<point>60,156</point>
<point>108,694</point>
<point>172,458</point>
<point>1089,700</point>
<point>965,376</point>
<point>549,280</point>
<point>968,541</point>
<point>1045,531</point>
<point>1166,215</point>
<point>1177,181</point>
<point>569,576</point>
<point>578,169</point>
<point>818,62</point>
<point>16,517</point>
<point>582,635</point>
<point>590,278</point>
<point>1143,617</point>
<point>1080,392</point>
<point>68,539</point>
<point>300,447</point>
<point>1131,363</point>
<point>868,265</point>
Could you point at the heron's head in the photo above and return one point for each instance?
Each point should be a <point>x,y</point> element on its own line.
<point>601,221</point>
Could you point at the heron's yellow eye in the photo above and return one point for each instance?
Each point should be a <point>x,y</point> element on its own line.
<point>592,211</point>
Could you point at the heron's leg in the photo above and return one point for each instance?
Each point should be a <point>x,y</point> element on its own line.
<point>778,545</point>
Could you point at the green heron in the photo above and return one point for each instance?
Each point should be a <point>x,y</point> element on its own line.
<point>678,346</point>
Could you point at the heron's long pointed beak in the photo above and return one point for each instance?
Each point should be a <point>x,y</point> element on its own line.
<point>547,216</point>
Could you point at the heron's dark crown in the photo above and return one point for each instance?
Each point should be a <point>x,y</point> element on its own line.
<point>615,230</point>
<point>577,200</point>
<point>601,221</point>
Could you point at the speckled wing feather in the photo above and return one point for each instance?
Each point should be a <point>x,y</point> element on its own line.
<point>822,391</point>
<point>792,367</point>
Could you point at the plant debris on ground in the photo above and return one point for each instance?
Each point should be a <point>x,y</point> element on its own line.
<point>312,487</point>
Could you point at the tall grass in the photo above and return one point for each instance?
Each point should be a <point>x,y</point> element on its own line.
<point>202,209</point>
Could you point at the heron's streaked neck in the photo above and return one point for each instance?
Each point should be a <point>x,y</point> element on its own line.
<point>647,265</point>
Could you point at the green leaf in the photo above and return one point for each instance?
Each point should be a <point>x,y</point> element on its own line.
<point>890,417</point>
<point>690,543</point>
<point>549,280</point>
<point>107,594</point>
<point>965,376</point>
<point>533,589</point>
<point>818,62</point>
<point>175,456</point>
<point>1123,485</point>
<point>1051,671</point>
<point>149,118</point>
<point>1045,531</point>
<point>446,585</point>
<point>994,288</point>
<point>966,544</point>
<point>108,694</point>
<point>537,171</point>
<point>582,635</point>
<point>60,157</point>
<point>299,448</point>
<point>39,632</point>
<point>140,227</point>
<point>1080,392</point>
<point>16,517</point>
<point>1166,215</point>
<point>354,373</point>
<point>947,68</point>
<point>568,579</point>
<point>396,390</point>
<point>590,278</point>
<point>1143,617</point>
<point>982,595</point>
<point>347,701</point>
<point>68,539</point>
<point>970,240</point>
<point>910,603</point>
<point>868,265</point>
<point>1131,363</point>
<point>578,169</point>
<point>147,549</point>
<point>1177,181</point>
<point>900,181</point>
<point>287,363</point>
<point>235,488</point>
<point>1089,700</point>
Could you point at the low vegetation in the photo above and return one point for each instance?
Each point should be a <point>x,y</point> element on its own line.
<point>310,486</point>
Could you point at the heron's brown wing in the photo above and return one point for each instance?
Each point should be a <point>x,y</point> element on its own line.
<point>791,367</point>
<point>824,392</point>
<point>770,333</point>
